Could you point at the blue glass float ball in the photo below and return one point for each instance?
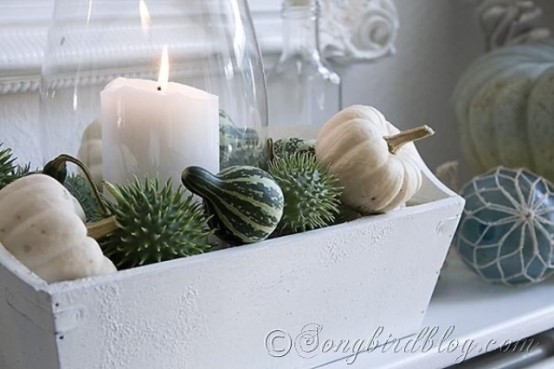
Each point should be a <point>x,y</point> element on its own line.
<point>506,234</point>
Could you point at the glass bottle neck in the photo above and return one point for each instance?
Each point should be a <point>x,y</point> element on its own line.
<point>300,30</point>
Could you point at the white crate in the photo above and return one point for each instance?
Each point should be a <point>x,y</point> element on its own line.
<point>216,310</point>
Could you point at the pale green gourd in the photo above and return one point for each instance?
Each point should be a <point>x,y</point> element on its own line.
<point>504,105</point>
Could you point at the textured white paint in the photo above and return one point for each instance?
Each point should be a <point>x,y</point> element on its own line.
<point>25,318</point>
<point>481,313</point>
<point>215,310</point>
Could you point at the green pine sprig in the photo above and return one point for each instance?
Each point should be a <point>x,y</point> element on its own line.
<point>9,170</point>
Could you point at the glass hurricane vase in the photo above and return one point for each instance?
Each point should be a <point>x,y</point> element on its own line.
<point>148,87</point>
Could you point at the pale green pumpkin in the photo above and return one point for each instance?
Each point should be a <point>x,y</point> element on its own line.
<point>504,105</point>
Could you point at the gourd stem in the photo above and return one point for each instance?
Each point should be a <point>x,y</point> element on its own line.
<point>63,158</point>
<point>396,141</point>
<point>104,227</point>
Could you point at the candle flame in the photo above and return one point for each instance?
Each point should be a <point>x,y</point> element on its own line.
<point>163,77</point>
<point>144,17</point>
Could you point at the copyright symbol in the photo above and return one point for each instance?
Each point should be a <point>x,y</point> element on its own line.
<point>278,343</point>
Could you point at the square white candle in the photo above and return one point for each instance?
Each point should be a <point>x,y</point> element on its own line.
<point>149,130</point>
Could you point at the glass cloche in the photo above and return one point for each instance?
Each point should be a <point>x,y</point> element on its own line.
<point>149,87</point>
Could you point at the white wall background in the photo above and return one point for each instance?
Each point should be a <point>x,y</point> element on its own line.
<point>437,40</point>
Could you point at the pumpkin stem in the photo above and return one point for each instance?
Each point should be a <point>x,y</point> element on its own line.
<point>398,140</point>
<point>104,227</point>
<point>59,164</point>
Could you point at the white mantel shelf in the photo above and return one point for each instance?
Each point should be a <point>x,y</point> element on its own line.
<point>480,312</point>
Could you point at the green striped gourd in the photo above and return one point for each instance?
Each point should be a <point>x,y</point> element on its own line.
<point>293,145</point>
<point>245,203</point>
<point>230,134</point>
<point>237,146</point>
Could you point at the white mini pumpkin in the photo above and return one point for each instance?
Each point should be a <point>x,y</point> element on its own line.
<point>378,169</point>
<point>41,225</point>
<point>504,105</point>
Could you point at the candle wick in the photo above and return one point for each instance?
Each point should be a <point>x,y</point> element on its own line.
<point>159,88</point>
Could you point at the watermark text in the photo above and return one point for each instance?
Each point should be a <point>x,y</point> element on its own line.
<point>311,341</point>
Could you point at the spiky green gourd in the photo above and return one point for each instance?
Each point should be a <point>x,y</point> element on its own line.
<point>157,223</point>
<point>245,202</point>
<point>78,186</point>
<point>311,193</point>
<point>9,170</point>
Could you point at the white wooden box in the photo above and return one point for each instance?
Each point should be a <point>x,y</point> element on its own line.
<point>254,306</point>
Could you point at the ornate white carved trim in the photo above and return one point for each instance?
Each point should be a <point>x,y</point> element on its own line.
<point>507,22</point>
<point>358,30</point>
